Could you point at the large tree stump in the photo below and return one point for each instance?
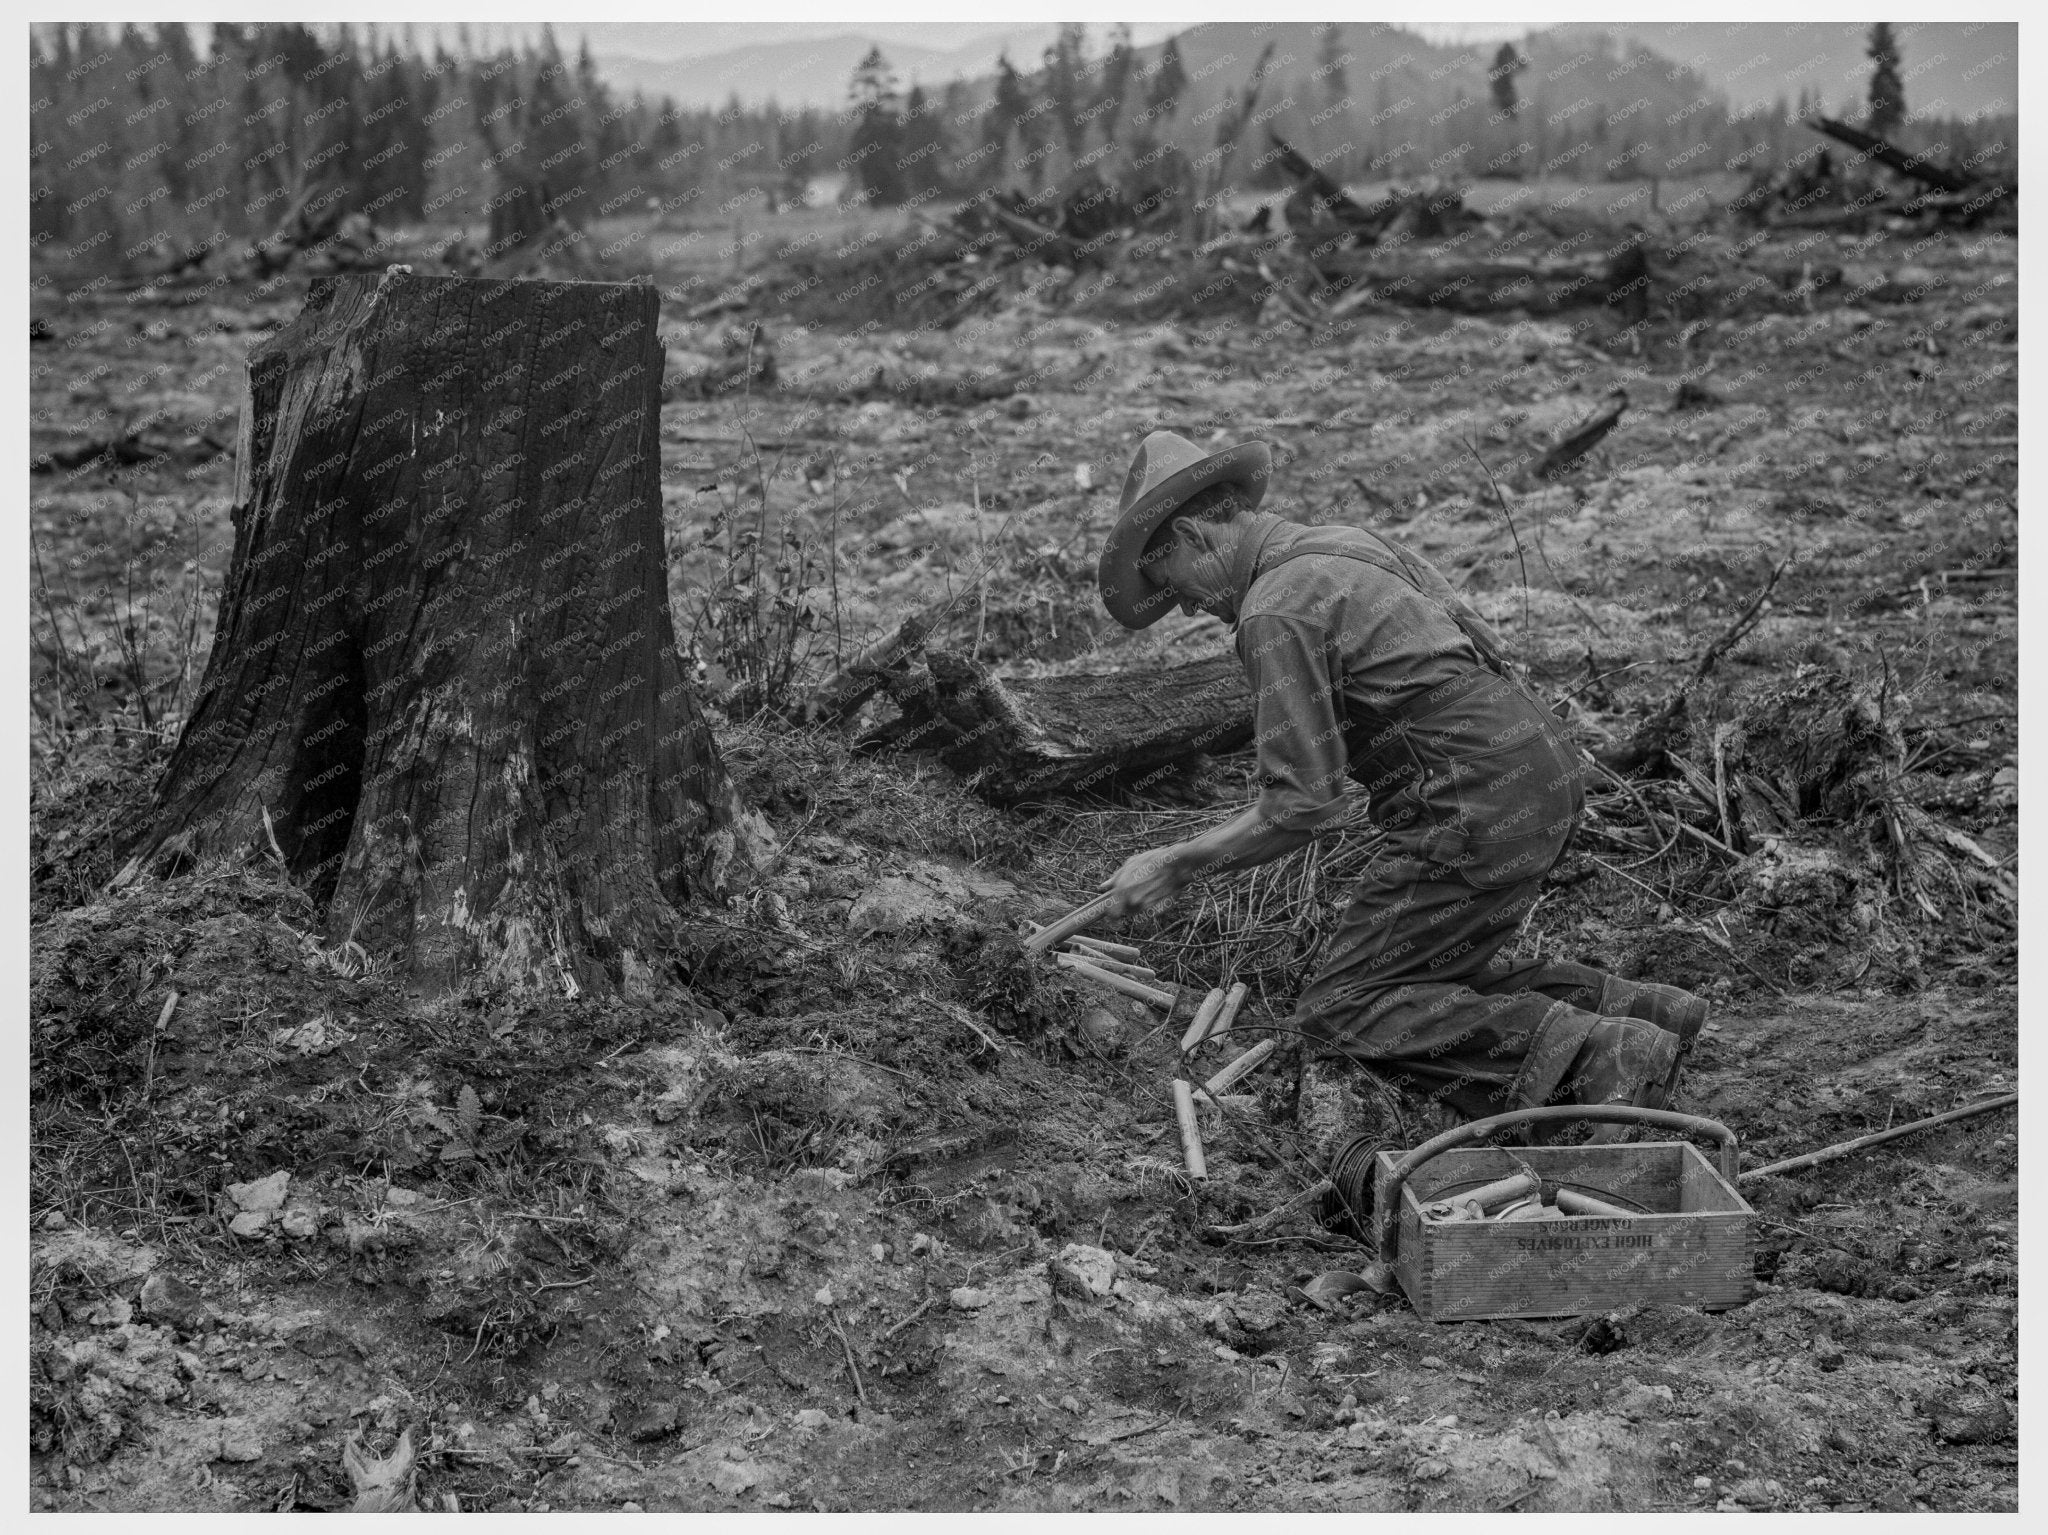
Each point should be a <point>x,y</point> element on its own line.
<point>1085,735</point>
<point>444,684</point>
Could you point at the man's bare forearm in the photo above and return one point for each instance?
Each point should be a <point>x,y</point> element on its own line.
<point>1244,841</point>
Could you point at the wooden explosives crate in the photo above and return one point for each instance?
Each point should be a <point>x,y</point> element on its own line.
<point>1692,1245</point>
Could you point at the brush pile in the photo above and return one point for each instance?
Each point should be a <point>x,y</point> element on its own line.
<point>1134,243</point>
<point>1803,806</point>
<point>1819,194</point>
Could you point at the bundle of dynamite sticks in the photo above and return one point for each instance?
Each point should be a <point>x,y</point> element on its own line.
<point>1521,1196</point>
<point>1117,967</point>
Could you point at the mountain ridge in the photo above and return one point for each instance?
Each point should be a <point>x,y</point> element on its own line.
<point>1951,68</point>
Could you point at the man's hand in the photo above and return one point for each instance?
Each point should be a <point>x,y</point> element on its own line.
<point>1158,874</point>
<point>1146,880</point>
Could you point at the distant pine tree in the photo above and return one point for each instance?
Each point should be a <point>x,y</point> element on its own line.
<point>1114,83</point>
<point>1012,101</point>
<point>878,129</point>
<point>1887,90</point>
<point>1506,65</point>
<point>1065,86</point>
<point>1331,58</point>
<point>1169,79</point>
<point>923,144</point>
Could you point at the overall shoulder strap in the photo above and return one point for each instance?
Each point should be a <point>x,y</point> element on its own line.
<point>1396,562</point>
<point>1368,556</point>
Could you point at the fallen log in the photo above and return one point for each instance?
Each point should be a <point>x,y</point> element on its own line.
<point>905,381</point>
<point>842,694</point>
<point>1034,239</point>
<point>1320,203</point>
<point>1583,438</point>
<point>1467,286</point>
<point>731,300</point>
<point>311,221</point>
<point>1626,283</point>
<point>145,447</point>
<point>1964,210</point>
<point>1891,156</point>
<point>1088,735</point>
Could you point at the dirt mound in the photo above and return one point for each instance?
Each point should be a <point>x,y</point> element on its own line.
<point>1811,738</point>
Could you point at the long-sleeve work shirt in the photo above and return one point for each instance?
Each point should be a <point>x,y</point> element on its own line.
<point>1332,644</point>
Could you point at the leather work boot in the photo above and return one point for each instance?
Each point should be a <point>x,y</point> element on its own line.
<point>1668,1007</point>
<point>1624,1060</point>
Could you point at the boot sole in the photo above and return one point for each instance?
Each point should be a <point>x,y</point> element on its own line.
<point>1690,1025</point>
<point>1651,1095</point>
<point>1688,1032</point>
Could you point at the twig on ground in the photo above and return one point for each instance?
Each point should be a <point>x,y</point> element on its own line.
<point>860,1387</point>
<point>1471,448</point>
<point>1832,1153</point>
<point>1277,1214</point>
<point>929,1302</point>
<point>564,1284</point>
<point>1735,632</point>
<point>1693,831</point>
<point>1642,804</point>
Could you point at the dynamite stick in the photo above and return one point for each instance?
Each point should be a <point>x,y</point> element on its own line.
<point>1059,932</point>
<point>1228,1016</point>
<point>1104,947</point>
<point>1491,1196</point>
<point>1204,1016</point>
<point>1121,983</point>
<point>1572,1202</point>
<point>1221,1083</point>
<point>1190,1132</point>
<point>1102,962</point>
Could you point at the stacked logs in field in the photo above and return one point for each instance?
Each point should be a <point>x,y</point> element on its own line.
<point>1918,167</point>
<point>1827,195</point>
<point>1322,216</point>
<point>1336,257</point>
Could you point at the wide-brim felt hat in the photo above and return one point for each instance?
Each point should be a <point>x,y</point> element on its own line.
<point>1166,471</point>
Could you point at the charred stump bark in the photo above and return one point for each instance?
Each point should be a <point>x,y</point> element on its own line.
<point>1088,736</point>
<point>444,686</point>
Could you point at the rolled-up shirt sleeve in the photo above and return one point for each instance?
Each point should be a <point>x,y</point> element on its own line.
<point>1297,727</point>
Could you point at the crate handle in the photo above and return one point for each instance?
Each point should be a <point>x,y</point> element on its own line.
<point>1389,1214</point>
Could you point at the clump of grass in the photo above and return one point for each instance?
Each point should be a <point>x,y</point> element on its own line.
<point>815,778</point>
<point>126,661</point>
<point>85,802</point>
<point>503,1273</point>
<point>772,597</point>
<point>782,1110</point>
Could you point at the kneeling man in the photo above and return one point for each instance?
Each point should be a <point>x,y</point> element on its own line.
<point>1363,663</point>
